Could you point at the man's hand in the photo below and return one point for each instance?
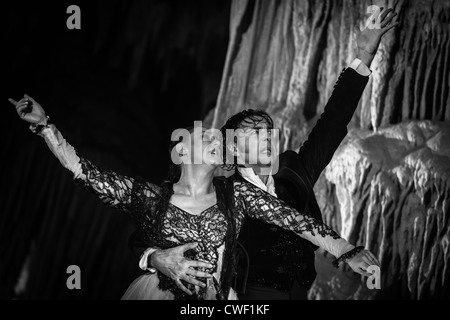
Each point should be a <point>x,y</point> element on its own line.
<point>173,264</point>
<point>369,38</point>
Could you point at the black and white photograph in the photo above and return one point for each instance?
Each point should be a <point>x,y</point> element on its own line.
<point>245,150</point>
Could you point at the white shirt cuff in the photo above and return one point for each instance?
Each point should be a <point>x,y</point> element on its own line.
<point>143,262</point>
<point>360,67</point>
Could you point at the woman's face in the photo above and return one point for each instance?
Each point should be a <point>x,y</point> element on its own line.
<point>202,146</point>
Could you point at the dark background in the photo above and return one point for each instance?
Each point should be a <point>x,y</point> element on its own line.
<point>115,89</point>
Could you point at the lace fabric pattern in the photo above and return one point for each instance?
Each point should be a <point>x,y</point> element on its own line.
<point>260,205</point>
<point>178,226</point>
<point>208,229</point>
<point>114,190</point>
<point>138,198</point>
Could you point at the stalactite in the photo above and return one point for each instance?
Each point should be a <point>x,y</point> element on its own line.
<point>289,55</point>
<point>388,188</point>
<point>392,191</point>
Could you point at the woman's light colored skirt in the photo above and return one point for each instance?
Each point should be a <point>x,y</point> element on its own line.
<point>146,288</point>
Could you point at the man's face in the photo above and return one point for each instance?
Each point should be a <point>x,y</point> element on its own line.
<point>255,142</point>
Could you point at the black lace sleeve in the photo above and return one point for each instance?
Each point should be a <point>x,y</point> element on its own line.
<point>124,193</point>
<point>258,204</point>
<point>113,189</point>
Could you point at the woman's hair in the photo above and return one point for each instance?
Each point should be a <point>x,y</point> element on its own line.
<point>172,177</point>
<point>235,122</point>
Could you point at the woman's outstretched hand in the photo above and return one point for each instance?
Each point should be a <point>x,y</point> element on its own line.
<point>369,38</point>
<point>29,110</point>
<point>363,260</point>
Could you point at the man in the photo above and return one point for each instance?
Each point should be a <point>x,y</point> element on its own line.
<point>281,265</point>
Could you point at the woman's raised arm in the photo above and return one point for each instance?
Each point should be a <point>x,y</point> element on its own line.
<point>113,189</point>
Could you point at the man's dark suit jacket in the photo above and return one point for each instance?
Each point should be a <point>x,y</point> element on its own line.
<point>277,257</point>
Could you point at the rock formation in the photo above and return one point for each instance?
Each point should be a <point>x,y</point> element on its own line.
<point>390,191</point>
<point>285,56</point>
<point>388,186</point>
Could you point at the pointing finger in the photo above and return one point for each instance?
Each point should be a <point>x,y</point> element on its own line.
<point>14,102</point>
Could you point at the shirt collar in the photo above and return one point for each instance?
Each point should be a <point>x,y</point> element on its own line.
<point>249,175</point>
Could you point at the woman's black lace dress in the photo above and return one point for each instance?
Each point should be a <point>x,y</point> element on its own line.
<point>137,198</point>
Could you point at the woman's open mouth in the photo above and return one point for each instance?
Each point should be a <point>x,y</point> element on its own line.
<point>215,152</point>
<point>266,150</point>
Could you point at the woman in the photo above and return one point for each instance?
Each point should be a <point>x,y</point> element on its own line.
<point>190,206</point>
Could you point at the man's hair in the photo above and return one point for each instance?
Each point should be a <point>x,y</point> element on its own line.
<point>236,121</point>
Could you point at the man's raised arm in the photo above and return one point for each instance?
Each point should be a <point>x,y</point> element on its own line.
<point>331,128</point>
